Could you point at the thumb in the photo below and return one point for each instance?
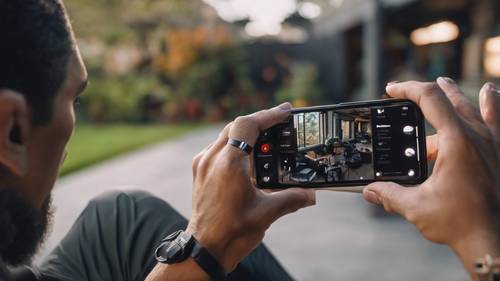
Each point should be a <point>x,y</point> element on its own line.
<point>394,197</point>
<point>288,201</point>
<point>489,101</point>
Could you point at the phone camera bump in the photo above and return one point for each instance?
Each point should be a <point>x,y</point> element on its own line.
<point>411,173</point>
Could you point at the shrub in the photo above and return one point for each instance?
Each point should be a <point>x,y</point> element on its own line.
<point>119,98</point>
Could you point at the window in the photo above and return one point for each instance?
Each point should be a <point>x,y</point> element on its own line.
<point>312,136</point>
<point>346,130</point>
<point>298,121</point>
<point>492,57</point>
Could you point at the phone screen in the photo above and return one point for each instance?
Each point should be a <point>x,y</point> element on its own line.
<point>344,145</point>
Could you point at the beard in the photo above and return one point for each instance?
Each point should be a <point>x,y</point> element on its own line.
<point>23,227</point>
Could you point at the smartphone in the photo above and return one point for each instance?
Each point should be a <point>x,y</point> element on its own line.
<point>349,144</point>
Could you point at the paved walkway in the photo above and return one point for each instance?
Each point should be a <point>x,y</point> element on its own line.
<point>342,238</point>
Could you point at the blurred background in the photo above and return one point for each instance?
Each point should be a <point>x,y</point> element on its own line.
<point>168,70</point>
<point>178,61</point>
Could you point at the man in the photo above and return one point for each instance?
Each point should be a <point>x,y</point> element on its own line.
<point>41,75</point>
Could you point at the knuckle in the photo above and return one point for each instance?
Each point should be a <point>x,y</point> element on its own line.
<point>228,126</point>
<point>410,83</point>
<point>431,86</point>
<point>412,217</point>
<point>203,164</point>
<point>196,160</point>
<point>387,205</point>
<point>387,198</point>
<point>429,91</point>
<point>299,198</point>
<point>249,123</point>
<point>420,86</point>
<point>243,120</point>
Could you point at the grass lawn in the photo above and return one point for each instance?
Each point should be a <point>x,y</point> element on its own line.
<point>94,143</point>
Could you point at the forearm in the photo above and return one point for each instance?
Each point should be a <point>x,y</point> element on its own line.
<point>185,271</point>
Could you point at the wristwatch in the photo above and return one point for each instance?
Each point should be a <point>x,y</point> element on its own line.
<point>488,268</point>
<point>180,245</point>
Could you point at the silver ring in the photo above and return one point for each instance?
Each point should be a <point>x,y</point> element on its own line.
<point>241,145</point>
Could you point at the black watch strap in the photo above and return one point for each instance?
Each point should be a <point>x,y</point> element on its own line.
<point>207,262</point>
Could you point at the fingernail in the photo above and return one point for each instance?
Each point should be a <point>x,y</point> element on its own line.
<point>447,80</point>
<point>490,87</point>
<point>285,106</point>
<point>372,197</point>
<point>392,83</point>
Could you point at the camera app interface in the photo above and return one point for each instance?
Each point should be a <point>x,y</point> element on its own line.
<point>342,145</point>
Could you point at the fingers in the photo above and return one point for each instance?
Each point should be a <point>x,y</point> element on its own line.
<point>207,154</point>
<point>433,102</point>
<point>457,98</point>
<point>393,197</point>
<point>248,128</point>
<point>287,201</point>
<point>489,102</point>
<point>197,158</point>
<point>221,140</point>
<point>432,147</point>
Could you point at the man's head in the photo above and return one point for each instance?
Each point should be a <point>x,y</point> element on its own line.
<point>41,75</point>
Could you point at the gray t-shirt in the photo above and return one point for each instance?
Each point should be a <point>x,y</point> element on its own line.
<point>17,274</point>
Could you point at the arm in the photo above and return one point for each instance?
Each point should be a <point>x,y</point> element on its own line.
<point>186,271</point>
<point>230,215</point>
<point>459,205</point>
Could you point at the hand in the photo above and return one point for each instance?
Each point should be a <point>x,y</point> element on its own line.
<point>230,215</point>
<point>459,204</point>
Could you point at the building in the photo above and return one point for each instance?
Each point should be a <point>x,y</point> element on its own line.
<point>385,40</point>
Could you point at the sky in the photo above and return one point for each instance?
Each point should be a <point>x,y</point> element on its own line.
<point>265,16</point>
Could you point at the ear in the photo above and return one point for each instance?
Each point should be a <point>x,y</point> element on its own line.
<point>15,126</point>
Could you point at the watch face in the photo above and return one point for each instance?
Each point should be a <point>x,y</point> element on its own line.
<point>175,248</point>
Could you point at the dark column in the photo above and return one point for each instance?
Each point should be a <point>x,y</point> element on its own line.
<point>482,19</point>
<point>372,44</point>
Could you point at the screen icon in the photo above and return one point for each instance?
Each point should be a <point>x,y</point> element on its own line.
<point>265,148</point>
<point>410,152</point>
<point>408,130</point>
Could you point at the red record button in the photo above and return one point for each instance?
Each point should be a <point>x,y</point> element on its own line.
<point>265,148</point>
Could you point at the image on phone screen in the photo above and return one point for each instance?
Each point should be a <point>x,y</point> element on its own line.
<point>350,145</point>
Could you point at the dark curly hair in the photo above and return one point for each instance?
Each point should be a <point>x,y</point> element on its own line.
<point>35,47</point>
